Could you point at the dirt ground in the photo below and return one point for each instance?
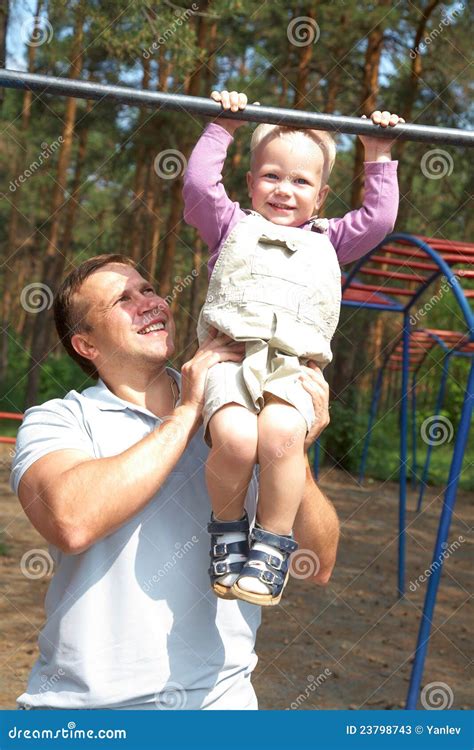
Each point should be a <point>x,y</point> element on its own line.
<point>347,645</point>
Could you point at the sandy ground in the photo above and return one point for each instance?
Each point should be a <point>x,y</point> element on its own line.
<point>348,645</point>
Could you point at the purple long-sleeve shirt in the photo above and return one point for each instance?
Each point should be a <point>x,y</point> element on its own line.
<point>208,207</point>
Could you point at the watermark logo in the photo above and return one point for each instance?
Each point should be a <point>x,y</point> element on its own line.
<point>169,164</point>
<point>437,430</point>
<point>312,685</point>
<point>180,551</point>
<point>437,696</point>
<point>448,550</point>
<point>446,20</point>
<point>436,164</point>
<point>446,286</point>
<point>170,31</point>
<point>172,697</point>
<point>36,297</point>
<point>36,31</point>
<point>36,563</point>
<point>304,563</point>
<point>180,285</point>
<point>47,149</point>
<point>302,31</point>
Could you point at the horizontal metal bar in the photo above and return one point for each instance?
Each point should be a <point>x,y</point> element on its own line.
<point>200,106</point>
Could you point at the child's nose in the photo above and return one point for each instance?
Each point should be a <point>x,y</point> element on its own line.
<point>283,187</point>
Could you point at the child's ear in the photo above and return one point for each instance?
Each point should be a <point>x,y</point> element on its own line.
<point>323,194</point>
<point>249,183</point>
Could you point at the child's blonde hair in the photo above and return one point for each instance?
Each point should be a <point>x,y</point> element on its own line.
<point>266,132</point>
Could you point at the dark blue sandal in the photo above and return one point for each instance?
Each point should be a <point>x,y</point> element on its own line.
<point>270,569</point>
<point>220,552</point>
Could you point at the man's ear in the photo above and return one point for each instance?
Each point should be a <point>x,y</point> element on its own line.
<point>249,183</point>
<point>84,347</point>
<point>323,194</point>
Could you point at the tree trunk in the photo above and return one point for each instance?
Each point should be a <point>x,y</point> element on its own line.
<point>174,218</point>
<point>409,98</point>
<point>43,326</point>
<point>305,54</point>
<point>137,207</point>
<point>368,104</point>
<point>4,12</point>
<point>10,273</point>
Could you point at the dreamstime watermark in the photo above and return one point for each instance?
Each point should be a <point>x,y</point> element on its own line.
<point>170,31</point>
<point>66,733</point>
<point>446,20</point>
<point>446,286</point>
<point>172,697</point>
<point>437,430</point>
<point>36,563</point>
<point>180,285</point>
<point>36,31</point>
<point>313,684</point>
<point>437,696</point>
<point>47,683</point>
<point>36,297</point>
<point>448,550</point>
<point>47,150</point>
<point>298,434</point>
<point>7,458</point>
<point>304,563</point>
<point>302,31</point>
<point>436,164</point>
<point>169,164</point>
<point>180,551</point>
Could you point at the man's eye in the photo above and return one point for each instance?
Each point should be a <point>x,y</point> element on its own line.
<point>123,298</point>
<point>149,290</point>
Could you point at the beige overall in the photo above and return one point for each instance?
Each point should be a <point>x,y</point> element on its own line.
<point>279,290</point>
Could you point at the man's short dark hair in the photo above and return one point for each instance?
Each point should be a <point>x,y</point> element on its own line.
<point>70,315</point>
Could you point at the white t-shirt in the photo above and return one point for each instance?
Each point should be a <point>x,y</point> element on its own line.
<point>132,622</point>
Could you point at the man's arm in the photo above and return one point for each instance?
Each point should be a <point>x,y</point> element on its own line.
<point>316,529</point>
<point>74,500</point>
<point>316,526</point>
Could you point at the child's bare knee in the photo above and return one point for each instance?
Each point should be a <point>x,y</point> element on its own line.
<point>234,434</point>
<point>281,430</point>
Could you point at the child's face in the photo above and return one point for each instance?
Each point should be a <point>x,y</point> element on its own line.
<point>285,181</point>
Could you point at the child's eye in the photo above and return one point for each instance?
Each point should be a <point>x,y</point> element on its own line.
<point>271,176</point>
<point>301,181</point>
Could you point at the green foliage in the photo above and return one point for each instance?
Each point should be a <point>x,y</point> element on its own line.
<point>250,50</point>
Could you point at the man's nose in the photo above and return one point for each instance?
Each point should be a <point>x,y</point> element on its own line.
<point>153,306</point>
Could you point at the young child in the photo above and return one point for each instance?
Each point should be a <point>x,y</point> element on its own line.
<point>275,283</point>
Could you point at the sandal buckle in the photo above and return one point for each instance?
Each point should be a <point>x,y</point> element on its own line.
<point>275,562</point>
<point>220,567</point>
<point>219,550</point>
<point>267,576</point>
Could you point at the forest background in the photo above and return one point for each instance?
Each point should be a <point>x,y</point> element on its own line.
<point>79,178</point>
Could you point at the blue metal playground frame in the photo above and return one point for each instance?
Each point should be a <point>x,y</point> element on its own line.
<point>387,303</point>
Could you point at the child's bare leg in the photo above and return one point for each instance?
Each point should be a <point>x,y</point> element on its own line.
<point>281,434</point>
<point>231,459</point>
<point>229,469</point>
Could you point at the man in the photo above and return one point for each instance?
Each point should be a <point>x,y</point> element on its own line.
<point>113,479</point>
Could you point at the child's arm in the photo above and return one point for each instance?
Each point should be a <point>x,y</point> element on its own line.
<point>361,230</point>
<point>206,203</point>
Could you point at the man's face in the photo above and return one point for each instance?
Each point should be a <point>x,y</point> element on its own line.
<point>285,181</point>
<point>131,325</point>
